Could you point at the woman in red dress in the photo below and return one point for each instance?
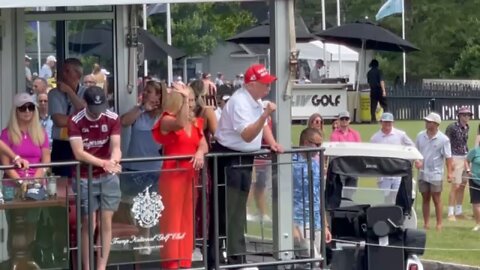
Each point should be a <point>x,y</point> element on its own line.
<point>180,133</point>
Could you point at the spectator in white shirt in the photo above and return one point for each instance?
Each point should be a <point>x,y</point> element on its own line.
<point>240,129</point>
<point>221,103</point>
<point>46,71</point>
<point>390,135</point>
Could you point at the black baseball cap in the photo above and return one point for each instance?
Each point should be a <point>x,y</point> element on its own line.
<point>96,99</point>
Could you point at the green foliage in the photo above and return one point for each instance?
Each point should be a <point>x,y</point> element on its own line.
<point>468,63</point>
<point>30,35</point>
<point>197,28</point>
<point>446,32</point>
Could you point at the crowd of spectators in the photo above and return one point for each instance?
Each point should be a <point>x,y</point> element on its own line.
<point>71,121</point>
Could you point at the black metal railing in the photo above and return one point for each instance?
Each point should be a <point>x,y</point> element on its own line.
<point>415,100</point>
<point>71,255</point>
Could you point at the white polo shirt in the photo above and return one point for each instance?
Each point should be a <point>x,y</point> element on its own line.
<point>240,111</point>
<point>396,136</point>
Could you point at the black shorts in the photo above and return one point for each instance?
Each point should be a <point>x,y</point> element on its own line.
<point>62,151</point>
<point>474,192</point>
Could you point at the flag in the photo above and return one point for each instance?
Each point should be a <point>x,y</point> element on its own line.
<point>156,9</point>
<point>390,7</point>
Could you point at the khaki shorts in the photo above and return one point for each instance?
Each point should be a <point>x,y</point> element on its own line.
<point>424,186</point>
<point>458,168</point>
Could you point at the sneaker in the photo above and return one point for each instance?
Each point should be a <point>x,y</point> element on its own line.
<point>476,228</point>
<point>197,255</point>
<point>252,218</point>
<point>266,219</point>
<point>451,218</point>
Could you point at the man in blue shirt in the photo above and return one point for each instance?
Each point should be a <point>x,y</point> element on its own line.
<point>309,137</point>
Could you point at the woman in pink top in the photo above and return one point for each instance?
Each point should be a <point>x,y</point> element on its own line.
<point>26,137</point>
<point>344,133</point>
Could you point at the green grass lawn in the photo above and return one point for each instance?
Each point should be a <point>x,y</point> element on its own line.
<point>455,235</point>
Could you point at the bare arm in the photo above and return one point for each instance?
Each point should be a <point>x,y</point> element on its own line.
<point>128,118</point>
<point>198,158</point>
<point>477,141</point>
<point>60,120</point>
<point>251,131</point>
<point>6,151</point>
<point>83,156</point>
<point>449,169</point>
<point>203,146</point>
<point>382,84</point>
<point>12,174</point>
<point>40,172</point>
<point>180,121</point>
<point>211,120</point>
<point>76,101</point>
<point>116,154</point>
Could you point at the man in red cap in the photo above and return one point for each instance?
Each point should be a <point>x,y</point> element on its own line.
<point>241,128</point>
<point>457,132</point>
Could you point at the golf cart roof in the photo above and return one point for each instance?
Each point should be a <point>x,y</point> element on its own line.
<point>340,149</point>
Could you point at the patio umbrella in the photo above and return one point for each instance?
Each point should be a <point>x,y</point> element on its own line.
<point>368,36</point>
<point>99,41</point>
<point>260,34</point>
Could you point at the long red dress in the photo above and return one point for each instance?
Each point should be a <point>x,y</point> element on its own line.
<point>176,186</point>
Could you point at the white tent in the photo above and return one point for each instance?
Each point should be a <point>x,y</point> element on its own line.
<point>314,50</point>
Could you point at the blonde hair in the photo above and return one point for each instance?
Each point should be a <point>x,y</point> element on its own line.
<point>160,90</point>
<point>174,101</point>
<point>35,129</point>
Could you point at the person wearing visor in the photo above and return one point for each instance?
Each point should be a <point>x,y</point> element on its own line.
<point>94,134</point>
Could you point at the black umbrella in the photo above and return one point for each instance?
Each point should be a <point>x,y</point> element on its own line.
<point>367,36</point>
<point>260,34</point>
<point>99,41</point>
<point>155,48</point>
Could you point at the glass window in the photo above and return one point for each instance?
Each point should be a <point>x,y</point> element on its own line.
<point>91,41</point>
<point>69,9</point>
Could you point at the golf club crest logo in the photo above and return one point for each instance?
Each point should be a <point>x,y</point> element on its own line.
<point>98,100</point>
<point>147,208</point>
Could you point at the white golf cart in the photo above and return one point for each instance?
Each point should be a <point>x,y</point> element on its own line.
<point>370,232</point>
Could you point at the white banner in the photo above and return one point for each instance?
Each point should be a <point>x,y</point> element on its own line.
<point>64,3</point>
<point>326,99</point>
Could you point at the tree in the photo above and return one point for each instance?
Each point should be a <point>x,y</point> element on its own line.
<point>197,28</point>
<point>444,30</point>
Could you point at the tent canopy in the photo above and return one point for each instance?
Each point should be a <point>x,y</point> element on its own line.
<point>314,50</point>
<point>65,3</point>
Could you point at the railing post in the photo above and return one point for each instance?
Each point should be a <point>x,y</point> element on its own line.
<point>78,205</point>
<point>216,243</point>
<point>204,215</point>
<point>323,218</point>
<point>91,247</point>
<point>311,203</point>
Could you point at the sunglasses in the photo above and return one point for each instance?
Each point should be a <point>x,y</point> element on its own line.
<point>43,101</point>
<point>317,121</point>
<point>344,119</point>
<point>315,143</point>
<point>29,106</point>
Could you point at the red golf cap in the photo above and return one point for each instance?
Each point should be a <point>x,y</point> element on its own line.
<point>258,73</point>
